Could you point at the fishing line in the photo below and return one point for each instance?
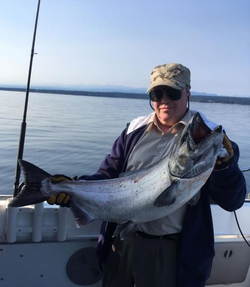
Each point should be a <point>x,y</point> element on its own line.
<point>238,224</point>
<point>240,229</point>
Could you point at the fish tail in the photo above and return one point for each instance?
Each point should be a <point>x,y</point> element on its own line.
<point>30,192</point>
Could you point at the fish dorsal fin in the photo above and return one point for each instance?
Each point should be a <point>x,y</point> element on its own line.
<point>168,196</point>
<point>81,216</point>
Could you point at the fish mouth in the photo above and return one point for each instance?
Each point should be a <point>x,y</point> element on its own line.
<point>197,149</point>
<point>199,133</point>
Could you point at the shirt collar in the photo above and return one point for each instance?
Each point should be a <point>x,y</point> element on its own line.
<point>153,121</point>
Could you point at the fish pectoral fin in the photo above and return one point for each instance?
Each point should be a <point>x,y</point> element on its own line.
<point>168,196</point>
<point>81,217</point>
<point>124,229</point>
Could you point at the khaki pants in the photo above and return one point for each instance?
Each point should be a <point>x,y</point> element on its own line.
<point>142,262</point>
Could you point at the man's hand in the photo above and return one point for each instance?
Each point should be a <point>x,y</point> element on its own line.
<point>224,162</point>
<point>63,199</point>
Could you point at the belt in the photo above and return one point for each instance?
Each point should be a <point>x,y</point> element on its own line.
<point>167,236</point>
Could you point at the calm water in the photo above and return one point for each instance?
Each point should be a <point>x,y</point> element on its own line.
<point>71,134</point>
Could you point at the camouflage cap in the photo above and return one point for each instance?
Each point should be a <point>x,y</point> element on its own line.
<point>172,75</point>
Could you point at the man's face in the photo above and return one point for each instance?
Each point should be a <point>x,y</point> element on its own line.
<point>169,111</point>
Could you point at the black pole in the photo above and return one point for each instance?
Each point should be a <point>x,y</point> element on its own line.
<point>23,125</point>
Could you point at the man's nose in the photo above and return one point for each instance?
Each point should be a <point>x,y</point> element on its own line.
<point>165,98</point>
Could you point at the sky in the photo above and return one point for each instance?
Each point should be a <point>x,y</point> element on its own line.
<point>118,42</point>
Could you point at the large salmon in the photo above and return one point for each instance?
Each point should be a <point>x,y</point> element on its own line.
<point>140,196</point>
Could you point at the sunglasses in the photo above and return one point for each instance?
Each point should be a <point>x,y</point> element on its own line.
<point>157,94</point>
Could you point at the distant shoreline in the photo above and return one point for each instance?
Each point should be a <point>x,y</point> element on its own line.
<point>194,98</point>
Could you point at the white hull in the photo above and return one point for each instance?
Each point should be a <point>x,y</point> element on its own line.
<point>41,246</point>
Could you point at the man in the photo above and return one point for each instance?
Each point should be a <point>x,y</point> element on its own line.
<point>176,250</point>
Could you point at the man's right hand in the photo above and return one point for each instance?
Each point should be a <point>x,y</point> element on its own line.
<point>63,199</point>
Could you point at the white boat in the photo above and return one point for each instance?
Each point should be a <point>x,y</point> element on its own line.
<point>41,246</point>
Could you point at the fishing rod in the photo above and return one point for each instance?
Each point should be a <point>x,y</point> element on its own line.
<point>23,125</point>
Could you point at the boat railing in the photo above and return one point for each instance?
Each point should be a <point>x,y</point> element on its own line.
<point>42,222</point>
